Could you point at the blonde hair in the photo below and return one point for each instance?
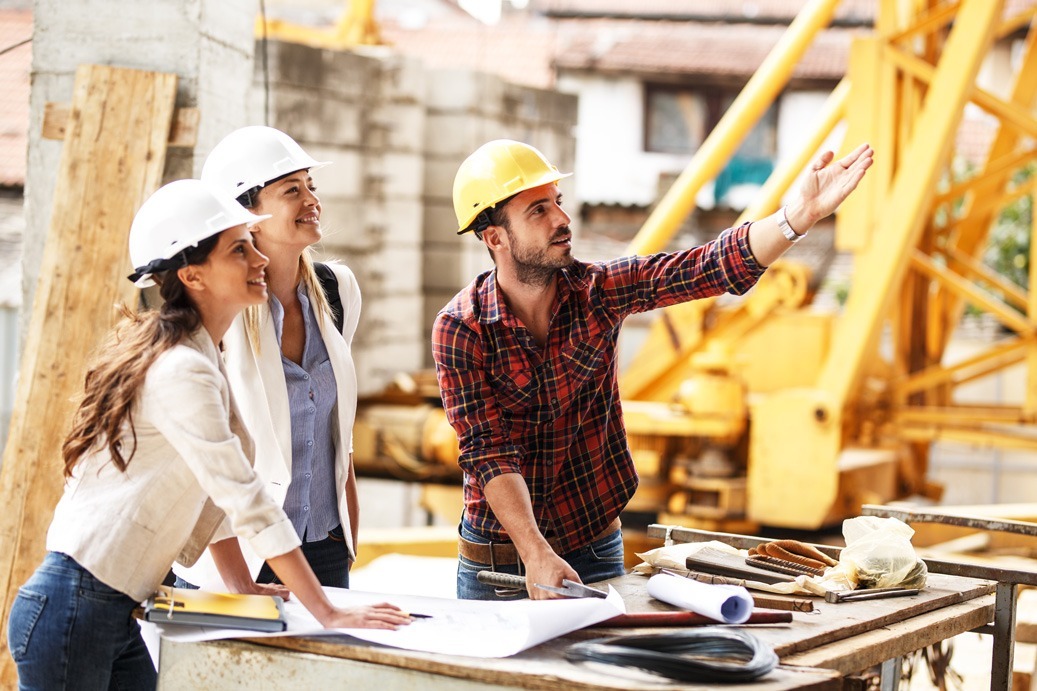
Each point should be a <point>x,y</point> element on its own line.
<point>253,315</point>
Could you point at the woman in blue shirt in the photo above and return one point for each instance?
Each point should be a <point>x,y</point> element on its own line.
<point>289,364</point>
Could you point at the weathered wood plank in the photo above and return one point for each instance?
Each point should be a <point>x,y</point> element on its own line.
<point>183,133</point>
<point>113,157</point>
<point>873,647</point>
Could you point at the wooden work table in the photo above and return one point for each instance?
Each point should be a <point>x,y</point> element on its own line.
<point>816,650</point>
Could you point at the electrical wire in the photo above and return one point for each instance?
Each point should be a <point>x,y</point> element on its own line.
<point>11,47</point>
<point>709,654</point>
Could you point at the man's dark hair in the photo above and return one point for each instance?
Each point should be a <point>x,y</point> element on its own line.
<point>492,216</point>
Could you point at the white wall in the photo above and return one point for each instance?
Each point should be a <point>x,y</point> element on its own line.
<point>612,166</point>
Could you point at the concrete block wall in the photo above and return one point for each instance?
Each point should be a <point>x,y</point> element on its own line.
<point>364,112</point>
<point>207,43</point>
<point>396,132</point>
<point>465,110</point>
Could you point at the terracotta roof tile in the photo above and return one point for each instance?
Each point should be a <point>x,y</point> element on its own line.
<point>847,11</point>
<point>973,140</point>
<point>519,51</point>
<point>691,48</point>
<point>721,10</point>
<point>15,27</point>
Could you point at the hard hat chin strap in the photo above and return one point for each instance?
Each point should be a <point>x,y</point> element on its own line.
<point>177,261</point>
<point>485,218</point>
<point>482,221</point>
<point>248,199</point>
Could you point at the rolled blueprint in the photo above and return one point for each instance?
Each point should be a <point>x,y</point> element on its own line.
<point>731,604</point>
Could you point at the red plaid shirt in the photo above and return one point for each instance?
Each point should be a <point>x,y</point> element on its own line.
<point>553,414</point>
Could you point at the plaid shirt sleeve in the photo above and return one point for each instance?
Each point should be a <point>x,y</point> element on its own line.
<point>470,403</point>
<point>724,265</point>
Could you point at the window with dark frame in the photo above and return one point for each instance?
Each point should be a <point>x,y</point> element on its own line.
<point>678,119</point>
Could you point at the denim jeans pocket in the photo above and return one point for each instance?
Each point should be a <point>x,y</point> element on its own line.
<point>25,612</point>
<point>95,591</point>
<point>469,565</point>
<point>608,549</point>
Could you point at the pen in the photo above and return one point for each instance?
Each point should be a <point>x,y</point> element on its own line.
<point>412,615</point>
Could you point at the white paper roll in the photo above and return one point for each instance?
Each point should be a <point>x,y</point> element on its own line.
<point>731,604</point>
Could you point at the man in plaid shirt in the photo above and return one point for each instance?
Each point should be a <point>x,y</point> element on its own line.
<point>526,361</point>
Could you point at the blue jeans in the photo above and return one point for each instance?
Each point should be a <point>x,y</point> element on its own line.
<point>328,558</point>
<point>598,561</point>
<point>69,630</point>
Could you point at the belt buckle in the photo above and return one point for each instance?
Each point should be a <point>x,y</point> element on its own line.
<point>493,556</point>
<point>504,592</point>
<point>493,561</point>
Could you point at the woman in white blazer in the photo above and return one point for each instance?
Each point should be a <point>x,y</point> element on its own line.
<point>158,462</point>
<point>288,362</point>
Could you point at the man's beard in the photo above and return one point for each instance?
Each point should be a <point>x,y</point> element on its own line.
<point>535,267</point>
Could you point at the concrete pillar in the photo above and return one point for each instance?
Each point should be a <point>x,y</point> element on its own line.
<point>208,43</point>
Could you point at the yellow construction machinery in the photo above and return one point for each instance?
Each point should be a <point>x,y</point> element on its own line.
<point>842,408</point>
<point>778,414</point>
<point>356,27</point>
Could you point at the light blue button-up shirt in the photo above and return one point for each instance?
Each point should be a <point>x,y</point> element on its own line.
<point>311,502</point>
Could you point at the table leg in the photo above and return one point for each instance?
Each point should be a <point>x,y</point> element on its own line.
<point>889,674</point>
<point>1004,637</point>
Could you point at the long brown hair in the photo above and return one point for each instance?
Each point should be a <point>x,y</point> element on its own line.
<point>115,377</point>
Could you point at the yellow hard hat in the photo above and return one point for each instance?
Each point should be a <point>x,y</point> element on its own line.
<point>495,171</point>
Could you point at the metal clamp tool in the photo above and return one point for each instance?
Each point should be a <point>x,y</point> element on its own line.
<point>573,589</point>
<point>511,582</point>
<point>868,594</point>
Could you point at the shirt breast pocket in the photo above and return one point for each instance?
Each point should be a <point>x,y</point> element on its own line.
<point>583,360</point>
<point>518,396</point>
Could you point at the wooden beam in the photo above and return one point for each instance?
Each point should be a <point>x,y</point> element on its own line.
<point>183,133</point>
<point>113,157</point>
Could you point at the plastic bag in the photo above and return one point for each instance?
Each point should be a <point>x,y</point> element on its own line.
<point>879,554</point>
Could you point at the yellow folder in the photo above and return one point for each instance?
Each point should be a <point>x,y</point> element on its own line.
<point>222,610</point>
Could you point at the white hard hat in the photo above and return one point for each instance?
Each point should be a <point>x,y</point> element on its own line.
<point>251,157</point>
<point>178,216</point>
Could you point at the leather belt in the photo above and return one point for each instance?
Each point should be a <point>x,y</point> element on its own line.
<point>499,553</point>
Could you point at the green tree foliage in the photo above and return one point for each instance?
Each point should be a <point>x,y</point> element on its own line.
<point>1008,248</point>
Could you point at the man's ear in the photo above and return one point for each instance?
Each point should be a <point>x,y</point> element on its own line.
<point>494,237</point>
<point>191,276</point>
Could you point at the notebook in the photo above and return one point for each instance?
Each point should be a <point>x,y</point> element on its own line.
<point>222,610</point>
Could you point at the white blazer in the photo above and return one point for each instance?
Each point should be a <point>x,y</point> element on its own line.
<point>192,466</point>
<point>258,383</point>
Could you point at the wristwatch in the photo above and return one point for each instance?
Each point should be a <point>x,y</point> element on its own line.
<point>786,229</point>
